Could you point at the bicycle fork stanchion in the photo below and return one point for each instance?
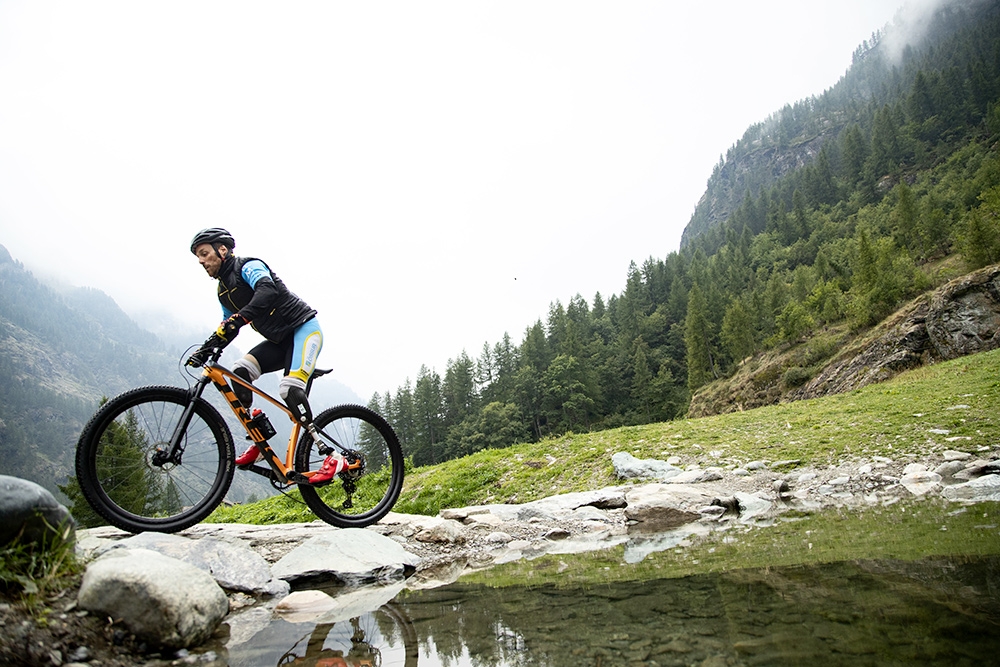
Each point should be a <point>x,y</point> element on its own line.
<point>175,452</point>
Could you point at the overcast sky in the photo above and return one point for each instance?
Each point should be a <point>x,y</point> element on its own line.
<point>428,175</point>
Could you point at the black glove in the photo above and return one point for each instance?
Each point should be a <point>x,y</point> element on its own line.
<point>230,327</point>
<point>199,358</point>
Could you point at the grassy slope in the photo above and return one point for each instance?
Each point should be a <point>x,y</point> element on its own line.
<point>899,418</point>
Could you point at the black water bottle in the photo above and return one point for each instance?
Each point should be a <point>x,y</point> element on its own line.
<point>260,421</point>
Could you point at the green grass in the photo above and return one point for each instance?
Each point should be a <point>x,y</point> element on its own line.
<point>896,419</point>
<point>31,574</point>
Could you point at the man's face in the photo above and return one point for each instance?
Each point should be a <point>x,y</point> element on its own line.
<point>209,259</point>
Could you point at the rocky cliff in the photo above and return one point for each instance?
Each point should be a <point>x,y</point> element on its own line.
<point>959,318</point>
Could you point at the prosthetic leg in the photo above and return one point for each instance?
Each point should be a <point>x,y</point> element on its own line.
<point>293,392</point>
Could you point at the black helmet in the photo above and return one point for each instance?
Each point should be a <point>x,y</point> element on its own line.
<point>213,235</point>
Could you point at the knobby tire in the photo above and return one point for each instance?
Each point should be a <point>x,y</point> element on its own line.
<point>116,473</point>
<point>374,491</point>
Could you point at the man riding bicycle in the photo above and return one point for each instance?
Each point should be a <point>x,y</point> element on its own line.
<point>251,293</point>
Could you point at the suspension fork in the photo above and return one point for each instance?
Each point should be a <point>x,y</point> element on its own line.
<point>175,452</point>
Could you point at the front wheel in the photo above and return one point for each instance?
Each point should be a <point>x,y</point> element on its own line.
<point>123,478</point>
<point>364,494</point>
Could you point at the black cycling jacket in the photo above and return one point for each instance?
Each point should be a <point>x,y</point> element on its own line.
<point>270,307</point>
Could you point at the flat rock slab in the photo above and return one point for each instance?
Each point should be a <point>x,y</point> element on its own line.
<point>351,556</point>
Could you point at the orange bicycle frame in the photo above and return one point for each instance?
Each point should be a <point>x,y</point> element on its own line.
<point>285,470</point>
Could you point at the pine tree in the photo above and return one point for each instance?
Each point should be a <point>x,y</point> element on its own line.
<point>697,340</point>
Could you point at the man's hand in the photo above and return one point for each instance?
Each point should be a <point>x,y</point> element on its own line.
<point>230,327</point>
<point>201,356</point>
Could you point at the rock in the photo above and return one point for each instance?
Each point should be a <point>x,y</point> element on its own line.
<point>662,506</point>
<point>914,468</point>
<point>486,519</point>
<point>952,455</point>
<point>310,607</point>
<point>605,498</point>
<point>921,482</point>
<point>447,531</point>
<point>751,506</point>
<point>964,315</point>
<point>234,566</point>
<point>588,513</point>
<point>31,512</point>
<point>161,600</point>
<point>697,476</point>
<point>304,606</point>
<point>499,537</point>
<point>629,467</point>
<point>978,469</point>
<point>351,556</point>
<point>756,465</point>
<point>960,317</point>
<point>986,488</point>
<point>948,469</point>
<point>459,514</point>
<point>839,481</point>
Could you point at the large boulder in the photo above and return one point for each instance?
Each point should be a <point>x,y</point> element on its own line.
<point>964,315</point>
<point>161,600</point>
<point>30,512</point>
<point>665,506</point>
<point>628,466</point>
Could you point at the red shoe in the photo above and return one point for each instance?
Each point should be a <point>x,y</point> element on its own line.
<point>250,456</point>
<point>331,467</point>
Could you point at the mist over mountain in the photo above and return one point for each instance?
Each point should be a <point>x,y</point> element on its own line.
<point>61,351</point>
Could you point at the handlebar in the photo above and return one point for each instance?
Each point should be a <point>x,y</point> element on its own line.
<point>210,351</point>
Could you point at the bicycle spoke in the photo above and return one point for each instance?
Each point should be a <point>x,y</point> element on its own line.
<point>126,483</point>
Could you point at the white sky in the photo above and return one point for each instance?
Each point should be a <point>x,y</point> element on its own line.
<point>428,175</point>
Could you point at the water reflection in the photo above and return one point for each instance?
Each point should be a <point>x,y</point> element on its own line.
<point>930,612</point>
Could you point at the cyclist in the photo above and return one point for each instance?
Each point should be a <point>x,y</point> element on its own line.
<point>251,293</point>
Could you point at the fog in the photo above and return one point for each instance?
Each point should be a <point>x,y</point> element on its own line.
<point>427,175</point>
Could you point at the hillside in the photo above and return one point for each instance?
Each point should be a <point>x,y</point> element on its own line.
<point>821,222</point>
<point>59,354</point>
<point>960,318</point>
<point>907,63</point>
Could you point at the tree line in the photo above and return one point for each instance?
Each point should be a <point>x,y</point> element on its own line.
<point>904,187</point>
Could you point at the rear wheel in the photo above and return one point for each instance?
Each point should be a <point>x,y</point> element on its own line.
<point>360,496</point>
<point>123,478</point>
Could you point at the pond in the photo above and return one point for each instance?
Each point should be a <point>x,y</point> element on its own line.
<point>933,611</point>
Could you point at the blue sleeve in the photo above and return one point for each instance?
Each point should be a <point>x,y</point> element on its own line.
<point>253,271</point>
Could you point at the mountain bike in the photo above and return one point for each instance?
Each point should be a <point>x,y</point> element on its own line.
<point>161,458</point>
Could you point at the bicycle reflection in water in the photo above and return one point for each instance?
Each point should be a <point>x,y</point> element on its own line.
<point>359,645</point>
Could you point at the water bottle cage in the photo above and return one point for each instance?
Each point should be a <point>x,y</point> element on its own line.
<point>263,424</point>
